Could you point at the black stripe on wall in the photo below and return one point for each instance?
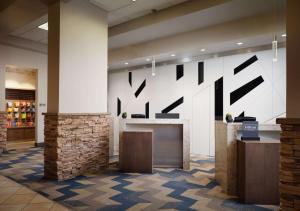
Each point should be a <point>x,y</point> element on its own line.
<point>200,72</point>
<point>147,110</point>
<point>245,89</point>
<point>119,107</point>
<point>173,105</point>
<point>130,78</point>
<point>219,99</point>
<point>140,89</point>
<point>179,71</point>
<point>245,64</point>
<point>242,114</point>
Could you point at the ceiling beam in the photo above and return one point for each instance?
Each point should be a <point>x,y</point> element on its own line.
<point>20,13</point>
<point>188,41</point>
<point>164,14</point>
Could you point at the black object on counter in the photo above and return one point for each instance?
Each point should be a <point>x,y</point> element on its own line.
<point>138,116</point>
<point>167,116</point>
<point>244,118</point>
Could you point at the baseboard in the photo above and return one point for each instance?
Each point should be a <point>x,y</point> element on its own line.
<point>41,144</point>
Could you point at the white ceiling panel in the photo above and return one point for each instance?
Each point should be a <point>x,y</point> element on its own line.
<point>35,34</point>
<point>120,11</point>
<point>226,12</point>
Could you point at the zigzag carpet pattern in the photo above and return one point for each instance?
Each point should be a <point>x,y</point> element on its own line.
<point>165,189</point>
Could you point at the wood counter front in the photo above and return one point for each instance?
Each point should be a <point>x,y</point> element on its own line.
<point>258,171</point>
<point>171,142</point>
<point>20,133</point>
<point>136,152</point>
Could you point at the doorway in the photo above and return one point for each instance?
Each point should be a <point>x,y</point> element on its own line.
<point>20,103</point>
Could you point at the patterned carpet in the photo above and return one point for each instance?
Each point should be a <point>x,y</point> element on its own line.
<point>166,189</point>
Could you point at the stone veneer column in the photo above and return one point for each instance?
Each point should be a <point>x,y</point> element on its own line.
<point>75,144</point>
<point>3,131</point>
<point>289,185</point>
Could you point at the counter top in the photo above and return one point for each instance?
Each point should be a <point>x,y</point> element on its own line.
<point>261,141</point>
<point>261,126</point>
<point>153,121</point>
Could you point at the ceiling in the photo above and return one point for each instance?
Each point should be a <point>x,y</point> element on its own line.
<point>231,10</point>
<point>120,11</point>
<point>214,49</point>
<point>32,32</point>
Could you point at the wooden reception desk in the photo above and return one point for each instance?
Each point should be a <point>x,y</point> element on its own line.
<point>226,136</point>
<point>258,171</point>
<point>171,143</point>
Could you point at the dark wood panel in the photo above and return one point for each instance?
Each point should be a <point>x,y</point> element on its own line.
<point>18,134</point>
<point>136,152</point>
<point>258,170</point>
<point>19,94</point>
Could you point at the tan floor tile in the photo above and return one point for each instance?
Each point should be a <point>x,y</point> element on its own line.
<point>24,190</point>
<point>3,178</point>
<point>8,190</point>
<point>17,199</point>
<point>9,183</point>
<point>12,207</point>
<point>38,207</point>
<point>40,199</point>
<point>58,207</point>
<point>3,197</point>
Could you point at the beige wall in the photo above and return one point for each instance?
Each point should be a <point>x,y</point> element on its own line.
<point>79,69</point>
<point>293,59</point>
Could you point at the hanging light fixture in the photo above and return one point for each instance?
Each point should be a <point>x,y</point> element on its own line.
<point>153,67</point>
<point>274,49</point>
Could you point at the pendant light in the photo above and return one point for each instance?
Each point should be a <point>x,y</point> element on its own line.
<point>153,67</point>
<point>274,49</point>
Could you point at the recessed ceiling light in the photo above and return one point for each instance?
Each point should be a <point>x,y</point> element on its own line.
<point>239,43</point>
<point>126,63</point>
<point>44,26</point>
<point>173,55</point>
<point>148,59</point>
<point>203,49</point>
<point>283,35</point>
<point>134,0</point>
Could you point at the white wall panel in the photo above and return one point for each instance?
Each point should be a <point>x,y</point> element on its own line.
<point>265,102</point>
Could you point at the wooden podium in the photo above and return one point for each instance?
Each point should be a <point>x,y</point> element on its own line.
<point>136,152</point>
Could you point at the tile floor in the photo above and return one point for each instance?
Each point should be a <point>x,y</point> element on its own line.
<point>165,189</point>
<point>16,197</point>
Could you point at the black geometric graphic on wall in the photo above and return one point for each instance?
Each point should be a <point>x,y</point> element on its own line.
<point>179,71</point>
<point>219,99</point>
<point>200,72</point>
<point>130,78</point>
<point>173,105</point>
<point>245,64</point>
<point>245,89</point>
<point>147,110</point>
<point>140,89</point>
<point>118,107</point>
<point>242,114</point>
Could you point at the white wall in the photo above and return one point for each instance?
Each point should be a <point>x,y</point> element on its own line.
<point>265,102</point>
<point>26,59</point>
<point>83,58</point>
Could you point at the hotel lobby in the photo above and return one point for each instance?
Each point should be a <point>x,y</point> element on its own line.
<point>149,105</point>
